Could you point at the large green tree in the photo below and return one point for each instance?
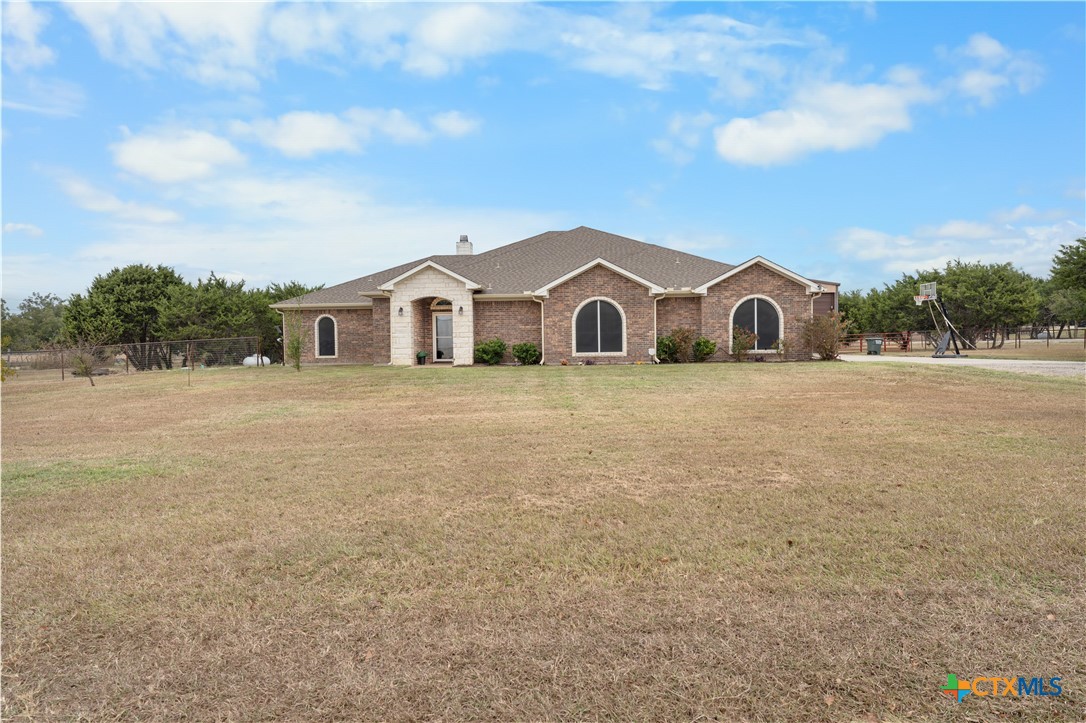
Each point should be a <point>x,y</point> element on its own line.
<point>1069,266</point>
<point>39,321</point>
<point>212,309</point>
<point>981,297</point>
<point>123,307</point>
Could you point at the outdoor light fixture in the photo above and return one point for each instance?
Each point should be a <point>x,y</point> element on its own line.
<point>401,311</point>
<point>460,311</point>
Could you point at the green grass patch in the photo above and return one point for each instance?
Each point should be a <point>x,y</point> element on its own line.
<point>29,479</point>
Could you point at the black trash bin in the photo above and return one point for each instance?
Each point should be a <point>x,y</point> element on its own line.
<point>874,345</point>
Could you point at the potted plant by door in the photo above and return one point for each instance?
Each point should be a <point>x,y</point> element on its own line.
<point>421,356</point>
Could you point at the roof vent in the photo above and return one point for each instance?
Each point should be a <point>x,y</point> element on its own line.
<point>463,246</point>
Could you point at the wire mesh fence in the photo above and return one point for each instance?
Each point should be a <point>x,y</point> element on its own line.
<point>102,360</point>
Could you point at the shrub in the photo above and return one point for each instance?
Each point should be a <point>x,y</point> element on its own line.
<point>490,352</point>
<point>684,344</point>
<point>782,347</point>
<point>665,349</point>
<point>526,353</point>
<point>822,335</point>
<point>742,342</point>
<point>704,348</point>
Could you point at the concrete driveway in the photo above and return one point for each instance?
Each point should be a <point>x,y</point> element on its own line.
<point>1021,366</point>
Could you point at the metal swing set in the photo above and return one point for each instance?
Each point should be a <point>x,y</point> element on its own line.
<point>948,335</point>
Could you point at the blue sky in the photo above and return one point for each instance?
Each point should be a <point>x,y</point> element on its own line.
<point>847,141</point>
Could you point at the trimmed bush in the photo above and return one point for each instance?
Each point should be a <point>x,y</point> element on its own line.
<point>490,352</point>
<point>665,349</point>
<point>704,348</point>
<point>684,344</point>
<point>526,353</point>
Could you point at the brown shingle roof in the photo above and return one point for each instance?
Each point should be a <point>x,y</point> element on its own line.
<point>534,262</point>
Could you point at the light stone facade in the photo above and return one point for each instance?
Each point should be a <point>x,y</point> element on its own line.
<point>426,283</point>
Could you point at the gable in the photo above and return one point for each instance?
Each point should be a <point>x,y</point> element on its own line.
<point>614,268</point>
<point>762,263</point>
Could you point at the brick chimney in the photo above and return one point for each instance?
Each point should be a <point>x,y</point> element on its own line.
<point>463,246</point>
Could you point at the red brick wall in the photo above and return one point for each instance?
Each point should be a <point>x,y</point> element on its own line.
<point>514,322</point>
<point>633,298</point>
<point>354,335</point>
<point>678,312</point>
<point>382,333</point>
<point>791,297</point>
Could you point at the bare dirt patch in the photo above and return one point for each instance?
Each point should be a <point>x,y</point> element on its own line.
<point>758,542</point>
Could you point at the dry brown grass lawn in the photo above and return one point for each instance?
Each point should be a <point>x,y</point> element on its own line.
<point>729,542</point>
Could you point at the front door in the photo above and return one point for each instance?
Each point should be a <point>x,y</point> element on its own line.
<point>443,337</point>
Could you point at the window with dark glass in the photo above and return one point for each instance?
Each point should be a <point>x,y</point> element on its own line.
<point>598,328</point>
<point>326,337</point>
<point>759,316</point>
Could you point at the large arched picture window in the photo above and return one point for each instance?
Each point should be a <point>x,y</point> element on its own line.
<point>598,328</point>
<point>761,317</point>
<point>326,336</point>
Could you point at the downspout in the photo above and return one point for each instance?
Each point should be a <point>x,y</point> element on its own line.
<point>655,335</point>
<point>542,332</point>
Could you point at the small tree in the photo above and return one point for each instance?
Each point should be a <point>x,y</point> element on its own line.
<point>85,355</point>
<point>822,335</point>
<point>294,338</point>
<point>526,353</point>
<point>743,340</point>
<point>703,348</point>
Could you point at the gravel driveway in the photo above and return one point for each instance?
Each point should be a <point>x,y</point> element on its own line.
<point>1021,366</point>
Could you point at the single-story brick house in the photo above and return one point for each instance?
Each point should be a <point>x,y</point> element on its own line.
<point>578,295</point>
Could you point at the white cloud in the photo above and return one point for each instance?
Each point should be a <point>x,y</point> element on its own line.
<point>22,23</point>
<point>995,68</point>
<point>28,228</point>
<point>449,35</point>
<point>90,198</point>
<point>1028,247</point>
<point>216,44</point>
<point>170,156</point>
<point>302,134</point>
<point>454,124</point>
<point>44,96</point>
<point>239,44</point>
<point>829,116</point>
<point>684,134</point>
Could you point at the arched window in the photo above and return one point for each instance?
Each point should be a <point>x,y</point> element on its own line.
<point>598,329</point>
<point>326,336</point>
<point>760,316</point>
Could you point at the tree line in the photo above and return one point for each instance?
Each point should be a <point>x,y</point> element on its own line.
<point>980,298</point>
<point>140,305</point>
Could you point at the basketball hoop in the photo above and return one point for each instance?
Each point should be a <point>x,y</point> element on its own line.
<point>928,291</point>
<point>921,298</point>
